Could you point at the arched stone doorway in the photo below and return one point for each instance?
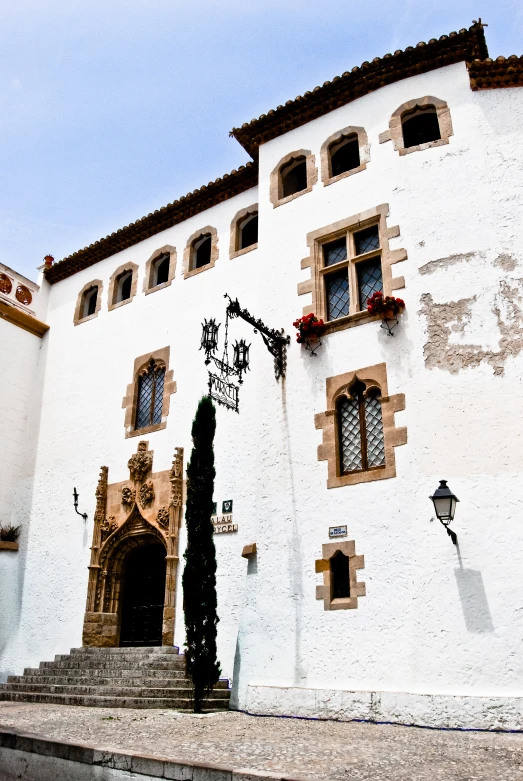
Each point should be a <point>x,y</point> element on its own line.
<point>143,589</point>
<point>134,555</point>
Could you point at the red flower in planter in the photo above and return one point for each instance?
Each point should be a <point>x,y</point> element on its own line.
<point>310,330</point>
<point>386,306</point>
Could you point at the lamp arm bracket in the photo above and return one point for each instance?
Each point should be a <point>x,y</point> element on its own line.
<point>275,341</point>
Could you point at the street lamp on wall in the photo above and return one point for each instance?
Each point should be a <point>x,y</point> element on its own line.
<point>209,341</point>
<point>75,499</point>
<point>445,506</point>
<point>241,356</point>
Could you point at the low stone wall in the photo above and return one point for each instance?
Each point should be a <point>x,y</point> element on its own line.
<point>100,630</point>
<point>33,758</point>
<point>443,711</point>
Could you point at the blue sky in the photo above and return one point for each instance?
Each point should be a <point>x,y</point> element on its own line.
<point>113,108</point>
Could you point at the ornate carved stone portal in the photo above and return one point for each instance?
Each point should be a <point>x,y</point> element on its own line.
<point>144,510</point>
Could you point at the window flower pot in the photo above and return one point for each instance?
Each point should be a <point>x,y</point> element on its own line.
<point>7,545</point>
<point>310,331</point>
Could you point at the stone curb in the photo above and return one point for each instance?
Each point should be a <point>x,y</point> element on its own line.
<point>144,764</point>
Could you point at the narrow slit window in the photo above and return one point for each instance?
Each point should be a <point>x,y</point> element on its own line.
<point>340,576</point>
<point>161,270</point>
<point>344,155</point>
<point>90,301</point>
<point>124,283</point>
<point>248,231</point>
<point>420,127</point>
<point>294,177</point>
<point>150,396</point>
<point>202,251</point>
<point>360,426</point>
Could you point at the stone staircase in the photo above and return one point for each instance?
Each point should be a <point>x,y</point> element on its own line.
<point>112,678</point>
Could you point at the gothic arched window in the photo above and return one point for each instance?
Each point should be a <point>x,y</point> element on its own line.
<point>340,575</point>
<point>150,395</point>
<point>360,427</point>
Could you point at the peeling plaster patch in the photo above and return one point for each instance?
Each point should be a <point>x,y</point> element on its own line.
<point>506,261</point>
<point>445,320</point>
<point>435,265</point>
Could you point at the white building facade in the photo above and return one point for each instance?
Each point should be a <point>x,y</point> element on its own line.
<point>423,631</point>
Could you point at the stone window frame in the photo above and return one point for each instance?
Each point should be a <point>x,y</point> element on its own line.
<point>395,131</point>
<point>188,251</point>
<point>315,285</point>
<point>329,450</point>
<point>325,158</point>
<point>77,319</point>
<point>113,287</point>
<point>167,249</point>
<point>357,588</point>
<point>275,188</point>
<point>234,252</point>
<point>130,400</point>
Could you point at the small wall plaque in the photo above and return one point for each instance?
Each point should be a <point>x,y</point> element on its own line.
<point>337,531</point>
<point>223,524</point>
<point>227,506</point>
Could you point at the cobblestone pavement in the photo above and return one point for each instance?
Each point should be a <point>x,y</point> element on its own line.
<point>311,749</point>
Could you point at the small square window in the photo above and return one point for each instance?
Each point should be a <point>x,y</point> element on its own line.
<point>366,240</point>
<point>335,252</point>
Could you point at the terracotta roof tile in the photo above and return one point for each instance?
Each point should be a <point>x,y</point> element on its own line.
<point>245,177</point>
<point>465,45</point>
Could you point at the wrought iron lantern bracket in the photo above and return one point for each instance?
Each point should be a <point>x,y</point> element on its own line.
<point>275,341</point>
<point>75,499</point>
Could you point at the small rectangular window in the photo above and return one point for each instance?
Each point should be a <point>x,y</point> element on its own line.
<point>335,252</point>
<point>367,240</point>
<point>338,297</point>
<point>369,279</point>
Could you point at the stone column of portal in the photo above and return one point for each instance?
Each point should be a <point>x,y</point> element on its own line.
<point>94,566</point>
<point>175,519</point>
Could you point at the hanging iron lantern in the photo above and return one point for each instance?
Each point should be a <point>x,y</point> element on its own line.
<point>241,355</point>
<point>445,506</point>
<point>444,503</point>
<point>209,341</point>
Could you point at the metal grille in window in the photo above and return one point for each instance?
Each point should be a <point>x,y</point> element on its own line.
<point>374,432</point>
<point>350,435</point>
<point>338,298</point>
<point>150,396</point>
<point>367,240</point>
<point>335,252</point>
<point>369,279</point>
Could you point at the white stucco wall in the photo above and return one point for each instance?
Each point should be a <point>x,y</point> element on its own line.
<point>436,620</point>
<point>20,401</point>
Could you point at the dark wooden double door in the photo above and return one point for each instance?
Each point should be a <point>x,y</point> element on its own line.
<point>143,597</point>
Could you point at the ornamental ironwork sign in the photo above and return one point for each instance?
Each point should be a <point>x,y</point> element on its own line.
<point>221,388</point>
<point>224,392</point>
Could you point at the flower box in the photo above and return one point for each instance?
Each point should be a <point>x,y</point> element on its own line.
<point>7,545</point>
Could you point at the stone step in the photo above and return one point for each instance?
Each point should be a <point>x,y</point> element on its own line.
<point>174,663</point>
<point>184,692</point>
<point>135,651</point>
<point>128,654</point>
<point>178,703</point>
<point>78,672</point>
<point>90,680</point>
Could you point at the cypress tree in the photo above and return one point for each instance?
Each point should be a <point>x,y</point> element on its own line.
<point>199,575</point>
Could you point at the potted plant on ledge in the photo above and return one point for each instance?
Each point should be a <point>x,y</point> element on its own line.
<point>8,537</point>
<point>310,330</point>
<point>388,308</point>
